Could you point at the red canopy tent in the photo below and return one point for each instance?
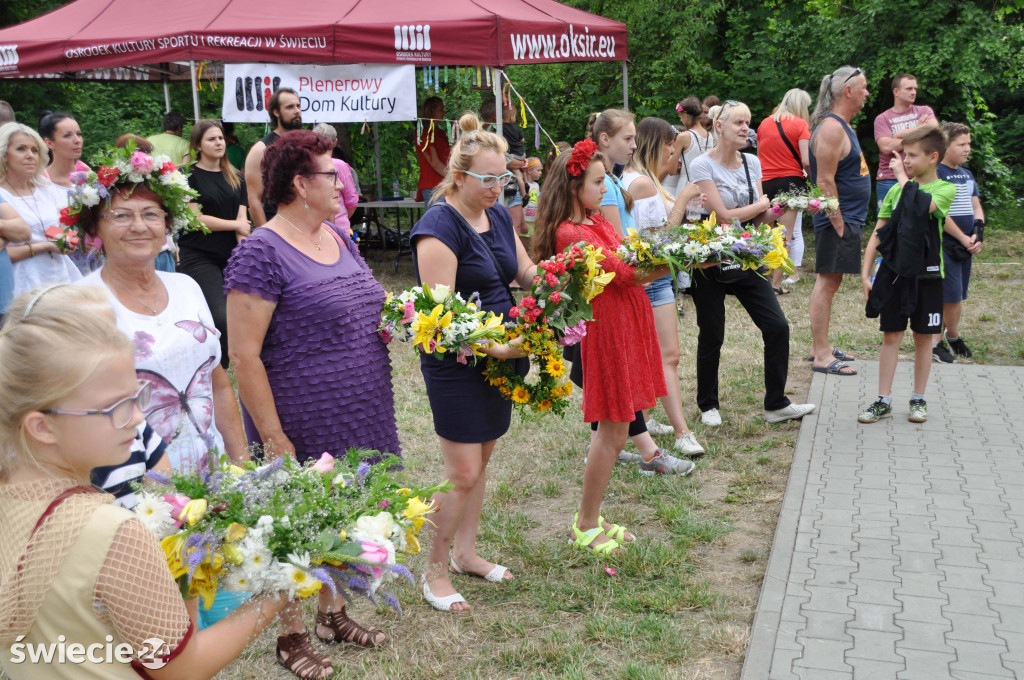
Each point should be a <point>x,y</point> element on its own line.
<point>103,34</point>
<point>142,39</point>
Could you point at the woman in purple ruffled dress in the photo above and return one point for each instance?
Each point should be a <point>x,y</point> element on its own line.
<point>313,375</point>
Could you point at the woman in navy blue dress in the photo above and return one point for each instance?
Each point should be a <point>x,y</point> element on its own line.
<point>458,242</point>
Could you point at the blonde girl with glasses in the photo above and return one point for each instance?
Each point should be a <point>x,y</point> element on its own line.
<point>466,241</point>
<point>75,567</point>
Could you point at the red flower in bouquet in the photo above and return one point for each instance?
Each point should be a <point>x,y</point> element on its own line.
<point>168,167</point>
<point>68,218</point>
<point>107,175</point>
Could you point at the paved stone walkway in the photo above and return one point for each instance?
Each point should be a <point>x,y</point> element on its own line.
<point>899,551</point>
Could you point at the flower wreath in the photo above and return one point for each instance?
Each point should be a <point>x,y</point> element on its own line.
<point>126,166</point>
<point>581,153</point>
<point>549,392</point>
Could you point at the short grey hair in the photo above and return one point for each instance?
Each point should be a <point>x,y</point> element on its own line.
<point>325,130</point>
<point>831,88</point>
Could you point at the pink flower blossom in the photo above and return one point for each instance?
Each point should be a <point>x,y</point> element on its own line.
<point>814,204</point>
<point>410,312</point>
<point>777,209</point>
<point>375,554</point>
<point>177,503</point>
<point>325,464</point>
<point>142,163</point>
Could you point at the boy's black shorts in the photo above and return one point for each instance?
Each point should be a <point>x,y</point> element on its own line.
<point>927,316</point>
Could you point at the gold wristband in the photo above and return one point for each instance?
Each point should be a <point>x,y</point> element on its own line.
<point>31,251</point>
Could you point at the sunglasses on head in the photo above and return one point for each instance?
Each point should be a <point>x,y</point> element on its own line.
<point>728,102</point>
<point>856,72</point>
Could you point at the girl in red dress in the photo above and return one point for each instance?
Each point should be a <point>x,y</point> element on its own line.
<point>621,360</point>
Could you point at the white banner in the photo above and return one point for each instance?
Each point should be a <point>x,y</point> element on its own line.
<point>329,94</point>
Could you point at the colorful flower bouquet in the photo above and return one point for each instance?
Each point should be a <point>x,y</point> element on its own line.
<point>66,239</point>
<point>554,314</point>
<point>811,201</point>
<point>752,246</point>
<point>437,320</point>
<point>340,524</point>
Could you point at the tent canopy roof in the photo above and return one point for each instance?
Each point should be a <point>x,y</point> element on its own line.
<point>104,34</point>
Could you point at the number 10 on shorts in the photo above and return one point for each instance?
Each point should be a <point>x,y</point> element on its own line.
<point>934,320</point>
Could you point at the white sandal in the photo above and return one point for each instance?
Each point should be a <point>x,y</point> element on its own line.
<point>441,604</point>
<point>495,575</point>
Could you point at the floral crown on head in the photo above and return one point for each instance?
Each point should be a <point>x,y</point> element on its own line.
<point>581,153</point>
<point>127,166</point>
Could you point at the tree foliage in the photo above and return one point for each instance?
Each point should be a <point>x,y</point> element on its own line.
<point>968,57</point>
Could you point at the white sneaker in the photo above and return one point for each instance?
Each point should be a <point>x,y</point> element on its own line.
<point>711,417</point>
<point>654,427</point>
<point>791,412</point>
<point>688,446</point>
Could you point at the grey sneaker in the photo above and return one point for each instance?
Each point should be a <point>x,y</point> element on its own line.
<point>624,458</point>
<point>875,412</point>
<point>941,353</point>
<point>654,427</point>
<point>918,411</point>
<point>664,464</point>
<point>959,347</point>
<point>711,417</point>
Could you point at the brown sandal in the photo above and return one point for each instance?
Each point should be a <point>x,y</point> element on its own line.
<point>303,660</point>
<point>344,629</point>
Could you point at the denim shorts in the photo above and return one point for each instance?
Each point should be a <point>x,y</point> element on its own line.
<point>514,201</point>
<point>661,292</point>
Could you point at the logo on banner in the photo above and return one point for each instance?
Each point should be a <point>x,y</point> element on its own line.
<point>253,94</point>
<point>412,42</point>
<point>8,58</point>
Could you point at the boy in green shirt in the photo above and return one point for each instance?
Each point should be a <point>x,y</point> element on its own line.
<point>923,149</point>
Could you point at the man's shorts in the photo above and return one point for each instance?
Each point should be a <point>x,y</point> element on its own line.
<point>834,255</point>
<point>927,316</point>
<point>958,276</point>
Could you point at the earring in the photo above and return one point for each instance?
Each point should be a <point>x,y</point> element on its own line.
<point>306,205</point>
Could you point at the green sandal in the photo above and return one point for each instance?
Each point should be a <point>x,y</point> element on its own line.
<point>617,532</point>
<point>585,540</point>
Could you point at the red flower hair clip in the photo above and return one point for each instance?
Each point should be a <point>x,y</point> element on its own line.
<point>580,159</point>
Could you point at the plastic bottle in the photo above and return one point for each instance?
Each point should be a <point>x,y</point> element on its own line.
<point>396,188</point>
<point>874,269</point>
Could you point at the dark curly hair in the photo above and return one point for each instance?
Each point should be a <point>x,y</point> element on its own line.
<point>290,156</point>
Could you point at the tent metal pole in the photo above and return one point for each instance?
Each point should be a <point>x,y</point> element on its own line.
<point>625,86</point>
<point>195,92</point>
<point>499,112</point>
<point>167,94</point>
<point>376,156</point>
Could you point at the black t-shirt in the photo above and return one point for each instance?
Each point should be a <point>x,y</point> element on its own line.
<point>513,134</point>
<point>217,199</point>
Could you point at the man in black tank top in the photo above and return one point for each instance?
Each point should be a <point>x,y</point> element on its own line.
<point>838,167</point>
<point>285,114</point>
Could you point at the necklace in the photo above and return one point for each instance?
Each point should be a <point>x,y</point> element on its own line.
<point>315,243</point>
<point>130,292</point>
<point>35,203</point>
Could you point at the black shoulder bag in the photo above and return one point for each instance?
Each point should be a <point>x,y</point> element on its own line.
<point>789,145</point>
<point>494,260</point>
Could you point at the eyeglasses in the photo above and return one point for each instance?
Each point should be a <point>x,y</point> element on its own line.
<point>488,181</point>
<point>152,217</point>
<point>856,72</point>
<point>728,102</point>
<point>121,413</point>
<point>327,173</point>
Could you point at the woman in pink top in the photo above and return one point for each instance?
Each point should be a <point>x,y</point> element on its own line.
<point>348,196</point>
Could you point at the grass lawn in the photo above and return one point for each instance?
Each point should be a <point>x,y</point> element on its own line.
<point>681,601</point>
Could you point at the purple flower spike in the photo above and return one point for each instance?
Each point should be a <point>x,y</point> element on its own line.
<point>362,472</point>
<point>271,468</point>
<point>159,477</point>
<point>326,579</point>
<point>358,584</point>
<point>392,601</point>
<point>402,570</point>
